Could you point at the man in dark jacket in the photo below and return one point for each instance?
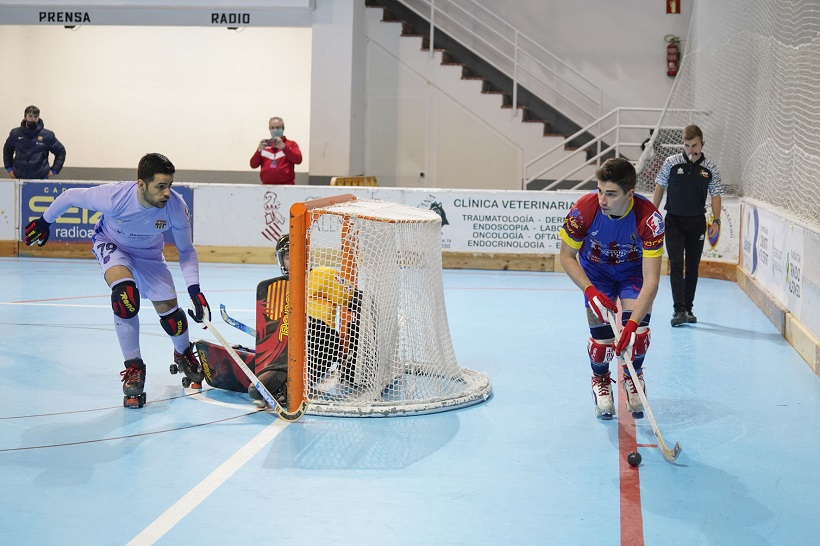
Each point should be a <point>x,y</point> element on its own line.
<point>25,154</point>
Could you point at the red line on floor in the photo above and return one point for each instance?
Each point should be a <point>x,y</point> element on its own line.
<point>630,479</point>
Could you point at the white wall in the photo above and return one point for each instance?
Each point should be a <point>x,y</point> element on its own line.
<point>617,45</point>
<point>338,81</point>
<point>201,96</point>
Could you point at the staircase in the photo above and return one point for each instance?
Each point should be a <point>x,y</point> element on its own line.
<point>490,94</point>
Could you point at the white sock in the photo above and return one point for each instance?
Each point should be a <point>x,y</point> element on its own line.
<point>128,334</point>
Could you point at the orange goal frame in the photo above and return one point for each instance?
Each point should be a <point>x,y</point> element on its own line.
<point>299,226</point>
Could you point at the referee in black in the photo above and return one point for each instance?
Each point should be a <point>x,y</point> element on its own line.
<point>687,177</point>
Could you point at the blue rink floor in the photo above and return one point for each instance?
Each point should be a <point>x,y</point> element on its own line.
<point>531,465</point>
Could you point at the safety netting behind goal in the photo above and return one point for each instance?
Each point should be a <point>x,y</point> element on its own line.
<point>750,79</point>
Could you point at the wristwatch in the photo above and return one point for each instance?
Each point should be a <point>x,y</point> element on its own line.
<point>716,221</point>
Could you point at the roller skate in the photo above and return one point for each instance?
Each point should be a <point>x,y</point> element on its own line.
<point>633,400</point>
<point>602,396</point>
<point>188,364</point>
<point>133,383</point>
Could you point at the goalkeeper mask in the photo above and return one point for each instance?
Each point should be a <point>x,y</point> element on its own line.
<point>283,253</point>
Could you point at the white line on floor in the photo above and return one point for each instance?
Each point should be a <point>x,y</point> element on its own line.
<point>168,519</point>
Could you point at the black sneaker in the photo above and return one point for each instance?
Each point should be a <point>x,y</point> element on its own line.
<point>679,318</point>
<point>690,318</point>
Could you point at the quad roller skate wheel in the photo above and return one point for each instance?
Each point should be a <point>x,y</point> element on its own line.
<point>134,401</point>
<point>186,382</point>
<point>174,369</point>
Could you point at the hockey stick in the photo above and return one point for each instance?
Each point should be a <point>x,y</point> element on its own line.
<point>266,395</point>
<point>235,323</point>
<point>668,454</point>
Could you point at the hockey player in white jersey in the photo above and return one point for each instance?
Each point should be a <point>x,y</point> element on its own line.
<point>128,243</point>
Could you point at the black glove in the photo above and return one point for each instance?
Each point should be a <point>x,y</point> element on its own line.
<point>37,231</point>
<point>200,304</point>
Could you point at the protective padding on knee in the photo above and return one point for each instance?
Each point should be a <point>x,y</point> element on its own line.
<point>174,323</point>
<point>600,353</point>
<point>642,339</point>
<point>125,299</point>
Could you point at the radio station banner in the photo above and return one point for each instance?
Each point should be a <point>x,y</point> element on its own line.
<point>76,225</point>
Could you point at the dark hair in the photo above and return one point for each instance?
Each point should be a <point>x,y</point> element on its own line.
<point>692,131</point>
<point>153,164</point>
<point>617,170</point>
<point>32,110</point>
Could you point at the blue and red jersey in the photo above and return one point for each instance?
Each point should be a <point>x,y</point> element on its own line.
<point>617,245</point>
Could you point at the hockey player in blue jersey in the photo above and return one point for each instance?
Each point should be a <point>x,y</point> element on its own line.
<point>612,245</point>
<point>128,243</point>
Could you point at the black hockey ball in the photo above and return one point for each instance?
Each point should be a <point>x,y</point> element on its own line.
<point>634,458</point>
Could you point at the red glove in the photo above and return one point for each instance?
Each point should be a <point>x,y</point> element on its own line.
<point>599,303</point>
<point>626,337</point>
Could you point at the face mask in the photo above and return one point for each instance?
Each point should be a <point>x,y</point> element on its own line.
<point>276,132</point>
<point>31,125</point>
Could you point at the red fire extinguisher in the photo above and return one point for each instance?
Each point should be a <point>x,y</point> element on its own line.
<point>672,55</point>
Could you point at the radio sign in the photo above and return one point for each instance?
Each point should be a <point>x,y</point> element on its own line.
<point>231,19</point>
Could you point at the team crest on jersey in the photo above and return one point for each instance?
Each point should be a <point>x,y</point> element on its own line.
<point>680,170</point>
<point>704,173</point>
<point>161,224</point>
<point>574,219</point>
<point>655,223</point>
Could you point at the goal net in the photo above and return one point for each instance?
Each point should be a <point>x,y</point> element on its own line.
<point>368,324</point>
<point>749,79</point>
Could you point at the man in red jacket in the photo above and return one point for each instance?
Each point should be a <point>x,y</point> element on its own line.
<point>277,155</point>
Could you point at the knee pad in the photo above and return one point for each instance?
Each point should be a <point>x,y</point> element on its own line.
<point>174,323</point>
<point>125,299</point>
<point>600,352</point>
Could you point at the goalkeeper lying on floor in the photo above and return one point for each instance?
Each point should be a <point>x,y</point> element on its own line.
<point>329,296</point>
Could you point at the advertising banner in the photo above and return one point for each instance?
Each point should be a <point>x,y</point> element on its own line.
<point>497,222</point>
<point>774,255</point>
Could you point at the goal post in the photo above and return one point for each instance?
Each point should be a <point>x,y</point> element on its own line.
<point>368,331</point>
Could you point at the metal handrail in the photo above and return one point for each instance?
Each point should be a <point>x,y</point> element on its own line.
<point>457,18</point>
<point>614,134</point>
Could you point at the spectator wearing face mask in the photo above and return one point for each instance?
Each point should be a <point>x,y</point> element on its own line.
<point>277,155</point>
<point>25,153</point>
